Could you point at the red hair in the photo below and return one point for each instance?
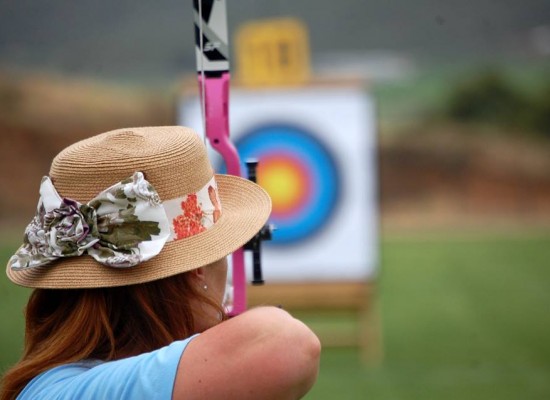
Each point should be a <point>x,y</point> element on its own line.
<point>69,325</point>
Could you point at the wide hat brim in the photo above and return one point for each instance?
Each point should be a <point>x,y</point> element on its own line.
<point>245,209</point>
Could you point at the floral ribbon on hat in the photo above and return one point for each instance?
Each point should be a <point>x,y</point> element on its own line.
<point>122,226</point>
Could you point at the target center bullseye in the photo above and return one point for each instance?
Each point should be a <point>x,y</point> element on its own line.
<point>283,183</point>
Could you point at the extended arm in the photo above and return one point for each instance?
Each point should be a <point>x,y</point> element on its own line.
<point>263,353</point>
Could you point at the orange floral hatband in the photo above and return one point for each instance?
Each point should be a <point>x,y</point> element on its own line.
<point>193,213</point>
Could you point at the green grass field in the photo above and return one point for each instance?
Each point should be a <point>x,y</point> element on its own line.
<point>463,318</point>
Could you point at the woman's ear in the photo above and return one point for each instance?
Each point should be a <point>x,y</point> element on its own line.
<point>198,274</point>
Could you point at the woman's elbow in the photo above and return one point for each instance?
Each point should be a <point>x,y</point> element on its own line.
<point>298,355</point>
<point>309,353</point>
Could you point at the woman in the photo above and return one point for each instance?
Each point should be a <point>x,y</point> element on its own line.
<point>127,257</point>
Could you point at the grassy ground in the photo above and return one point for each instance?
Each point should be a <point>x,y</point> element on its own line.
<point>12,301</point>
<point>462,319</point>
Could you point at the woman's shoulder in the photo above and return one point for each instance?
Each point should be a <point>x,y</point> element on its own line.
<point>147,375</point>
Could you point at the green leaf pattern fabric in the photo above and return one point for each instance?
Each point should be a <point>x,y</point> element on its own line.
<point>121,227</point>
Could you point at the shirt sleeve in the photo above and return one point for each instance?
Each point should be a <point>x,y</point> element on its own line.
<point>146,376</point>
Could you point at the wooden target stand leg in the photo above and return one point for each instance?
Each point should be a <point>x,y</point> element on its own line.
<point>371,339</point>
<point>329,301</point>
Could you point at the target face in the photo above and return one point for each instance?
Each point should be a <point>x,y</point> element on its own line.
<point>300,175</point>
<point>323,185</point>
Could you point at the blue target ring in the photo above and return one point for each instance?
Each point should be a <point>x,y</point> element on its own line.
<point>299,173</point>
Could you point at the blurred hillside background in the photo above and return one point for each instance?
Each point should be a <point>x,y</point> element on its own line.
<point>463,95</point>
<point>463,90</point>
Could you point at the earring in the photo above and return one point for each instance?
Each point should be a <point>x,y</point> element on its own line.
<point>205,287</point>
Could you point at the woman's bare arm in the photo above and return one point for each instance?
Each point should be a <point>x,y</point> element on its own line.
<point>263,353</point>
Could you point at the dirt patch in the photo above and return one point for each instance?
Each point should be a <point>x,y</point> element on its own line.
<point>447,177</point>
<point>41,115</point>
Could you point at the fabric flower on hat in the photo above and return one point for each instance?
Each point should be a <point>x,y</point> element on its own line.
<point>71,228</point>
<point>121,227</point>
<point>67,230</point>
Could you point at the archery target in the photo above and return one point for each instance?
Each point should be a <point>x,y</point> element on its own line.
<point>316,148</point>
<point>299,173</point>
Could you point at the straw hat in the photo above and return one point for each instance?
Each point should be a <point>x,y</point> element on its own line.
<point>154,184</point>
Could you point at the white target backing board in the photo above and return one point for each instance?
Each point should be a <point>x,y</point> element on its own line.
<point>316,148</point>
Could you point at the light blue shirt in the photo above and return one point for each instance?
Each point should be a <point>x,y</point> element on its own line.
<point>146,376</point>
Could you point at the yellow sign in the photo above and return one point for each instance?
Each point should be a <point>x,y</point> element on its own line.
<point>273,53</point>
